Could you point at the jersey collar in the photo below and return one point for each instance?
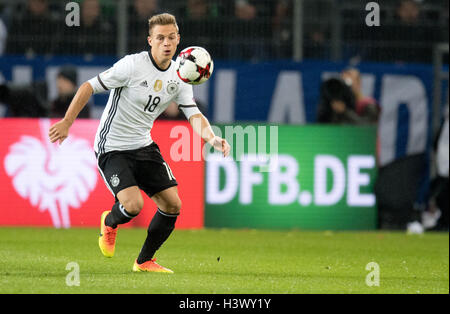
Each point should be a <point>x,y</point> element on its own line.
<point>156,65</point>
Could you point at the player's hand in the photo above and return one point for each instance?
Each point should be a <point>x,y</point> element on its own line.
<point>220,144</point>
<point>59,131</point>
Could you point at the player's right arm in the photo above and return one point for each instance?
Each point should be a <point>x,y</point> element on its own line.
<point>116,76</point>
<point>60,130</point>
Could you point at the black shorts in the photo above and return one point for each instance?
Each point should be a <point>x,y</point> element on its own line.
<point>144,167</point>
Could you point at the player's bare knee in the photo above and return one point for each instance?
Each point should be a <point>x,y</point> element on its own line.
<point>133,206</point>
<point>173,208</point>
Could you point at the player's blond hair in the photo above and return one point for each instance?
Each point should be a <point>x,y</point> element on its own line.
<point>162,19</point>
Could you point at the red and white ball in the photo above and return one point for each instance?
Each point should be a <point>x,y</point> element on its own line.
<point>194,65</point>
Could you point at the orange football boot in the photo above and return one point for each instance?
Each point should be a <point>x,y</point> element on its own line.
<point>107,239</point>
<point>150,266</point>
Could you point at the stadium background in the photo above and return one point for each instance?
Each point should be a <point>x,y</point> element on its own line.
<point>271,58</point>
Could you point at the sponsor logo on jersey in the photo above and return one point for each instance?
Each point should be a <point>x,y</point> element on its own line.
<point>144,84</point>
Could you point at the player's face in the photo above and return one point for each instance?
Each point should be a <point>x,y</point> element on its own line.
<point>163,41</point>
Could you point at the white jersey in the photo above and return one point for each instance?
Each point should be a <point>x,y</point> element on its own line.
<point>140,92</point>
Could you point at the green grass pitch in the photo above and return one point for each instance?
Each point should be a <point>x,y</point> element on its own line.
<point>34,260</point>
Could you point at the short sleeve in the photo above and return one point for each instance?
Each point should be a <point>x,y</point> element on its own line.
<point>118,75</point>
<point>185,95</point>
<point>186,101</point>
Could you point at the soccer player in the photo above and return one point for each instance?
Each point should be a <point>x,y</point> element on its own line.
<point>142,86</point>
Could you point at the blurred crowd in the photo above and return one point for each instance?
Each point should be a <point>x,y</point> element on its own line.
<point>37,27</point>
<point>231,29</point>
<point>408,30</point>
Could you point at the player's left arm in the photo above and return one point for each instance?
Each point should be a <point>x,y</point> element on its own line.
<point>201,126</point>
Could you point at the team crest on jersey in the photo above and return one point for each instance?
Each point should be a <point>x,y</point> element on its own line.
<point>172,87</point>
<point>158,85</point>
<point>115,180</point>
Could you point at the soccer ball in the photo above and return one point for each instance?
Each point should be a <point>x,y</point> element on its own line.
<point>194,65</point>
